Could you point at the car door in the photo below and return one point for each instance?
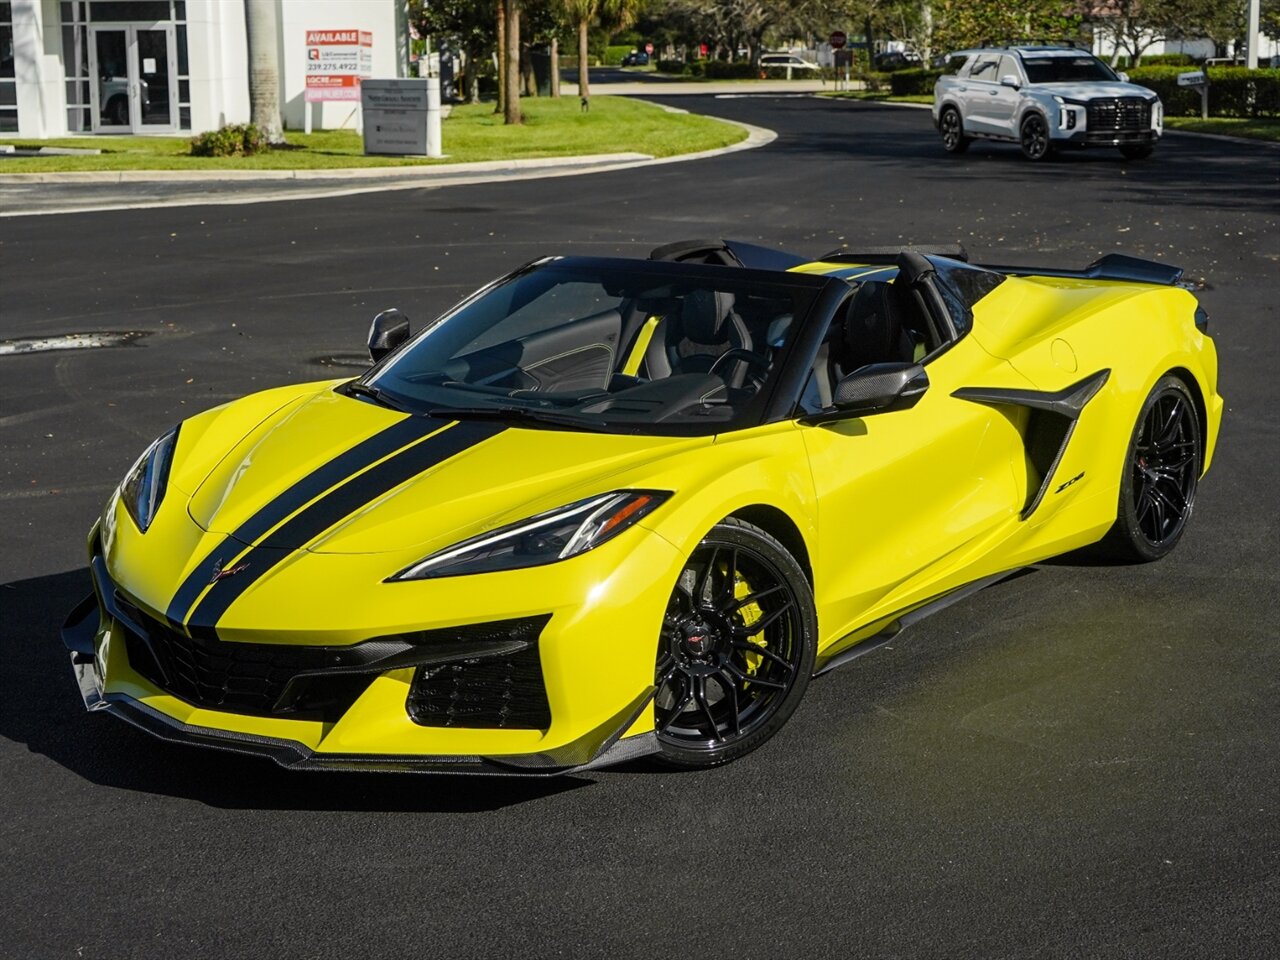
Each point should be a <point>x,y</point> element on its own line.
<point>906,500</point>
<point>1003,100</point>
<point>980,89</point>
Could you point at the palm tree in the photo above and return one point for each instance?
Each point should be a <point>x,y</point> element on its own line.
<point>614,14</point>
<point>262,29</point>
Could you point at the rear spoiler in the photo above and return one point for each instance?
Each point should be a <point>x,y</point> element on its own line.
<point>1114,266</point>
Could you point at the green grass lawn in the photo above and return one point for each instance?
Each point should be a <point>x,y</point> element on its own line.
<point>1257,129</point>
<point>552,128</point>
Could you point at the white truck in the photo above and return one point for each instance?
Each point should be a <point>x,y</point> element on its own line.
<point>1043,98</point>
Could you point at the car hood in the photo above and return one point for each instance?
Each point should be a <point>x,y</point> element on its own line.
<point>339,475</point>
<point>1092,89</point>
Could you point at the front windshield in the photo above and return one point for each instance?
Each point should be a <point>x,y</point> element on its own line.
<point>612,345</point>
<point>1066,69</point>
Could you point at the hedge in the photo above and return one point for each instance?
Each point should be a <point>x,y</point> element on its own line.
<point>904,83</point>
<point>671,66</point>
<point>1233,91</point>
<point>723,70</point>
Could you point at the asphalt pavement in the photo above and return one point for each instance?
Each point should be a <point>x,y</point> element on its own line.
<point>1081,761</point>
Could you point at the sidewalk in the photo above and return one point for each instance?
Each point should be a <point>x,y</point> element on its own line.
<point>707,88</point>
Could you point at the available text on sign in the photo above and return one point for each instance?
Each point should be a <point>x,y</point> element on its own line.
<point>336,62</point>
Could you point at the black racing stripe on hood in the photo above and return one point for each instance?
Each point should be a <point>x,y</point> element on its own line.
<point>340,468</point>
<point>332,508</point>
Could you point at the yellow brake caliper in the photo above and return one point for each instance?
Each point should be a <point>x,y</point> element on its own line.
<point>751,613</point>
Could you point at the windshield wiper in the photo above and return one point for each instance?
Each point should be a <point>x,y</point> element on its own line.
<point>378,396</point>
<point>517,414</point>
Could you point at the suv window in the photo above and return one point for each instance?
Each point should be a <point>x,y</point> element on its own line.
<point>1008,67</point>
<point>984,69</point>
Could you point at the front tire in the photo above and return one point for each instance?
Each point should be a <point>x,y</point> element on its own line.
<point>1036,145</point>
<point>1136,151</point>
<point>736,649</point>
<point>1161,473</point>
<point>952,129</point>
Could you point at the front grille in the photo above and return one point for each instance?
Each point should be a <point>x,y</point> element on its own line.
<point>505,693</point>
<point>1119,115</point>
<point>242,677</point>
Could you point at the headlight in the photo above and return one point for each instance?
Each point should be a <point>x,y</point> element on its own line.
<point>144,485</point>
<point>546,538</point>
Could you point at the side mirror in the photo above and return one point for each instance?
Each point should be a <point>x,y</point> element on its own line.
<point>1009,80</point>
<point>1124,77</point>
<point>389,330</point>
<point>880,388</point>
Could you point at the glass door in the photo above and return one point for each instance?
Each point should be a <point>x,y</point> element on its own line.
<point>133,69</point>
<point>156,86</point>
<point>112,86</point>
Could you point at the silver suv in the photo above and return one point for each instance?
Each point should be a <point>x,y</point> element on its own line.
<point>1044,98</point>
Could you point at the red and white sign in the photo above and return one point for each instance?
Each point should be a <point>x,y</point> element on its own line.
<point>337,60</point>
<point>648,48</point>
<point>837,39</point>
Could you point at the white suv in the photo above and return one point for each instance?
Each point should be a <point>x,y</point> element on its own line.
<point>1044,98</point>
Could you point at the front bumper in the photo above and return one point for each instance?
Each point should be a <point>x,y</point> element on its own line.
<point>90,644</point>
<point>596,656</point>
<point>1107,138</point>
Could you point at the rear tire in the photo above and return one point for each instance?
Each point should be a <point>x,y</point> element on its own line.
<point>1161,473</point>
<point>1034,138</point>
<point>736,649</point>
<point>952,129</point>
<point>1136,151</point>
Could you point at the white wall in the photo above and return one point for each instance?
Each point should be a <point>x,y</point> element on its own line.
<point>219,63</point>
<point>37,49</point>
<point>381,17</point>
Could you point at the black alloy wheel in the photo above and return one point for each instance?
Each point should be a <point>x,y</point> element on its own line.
<point>953,138</point>
<point>1162,470</point>
<point>736,649</point>
<point>1035,138</point>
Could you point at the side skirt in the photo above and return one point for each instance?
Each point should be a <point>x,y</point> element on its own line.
<point>914,615</point>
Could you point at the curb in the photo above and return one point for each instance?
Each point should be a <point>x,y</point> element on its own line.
<point>350,182</point>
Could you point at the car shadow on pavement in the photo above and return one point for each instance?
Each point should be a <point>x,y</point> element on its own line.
<point>41,708</point>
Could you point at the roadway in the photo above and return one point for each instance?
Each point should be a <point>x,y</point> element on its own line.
<point>1077,762</point>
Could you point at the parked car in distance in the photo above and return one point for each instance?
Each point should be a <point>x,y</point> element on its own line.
<point>897,60</point>
<point>636,58</point>
<point>1043,98</point>
<point>786,61</point>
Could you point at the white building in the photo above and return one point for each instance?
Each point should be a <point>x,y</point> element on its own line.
<point>175,66</point>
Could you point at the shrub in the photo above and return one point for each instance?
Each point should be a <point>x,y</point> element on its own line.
<point>614,53</point>
<point>671,66</point>
<point>232,140</point>
<point>725,70</point>
<point>1169,60</point>
<point>908,82</point>
<point>1233,91</point>
<point>874,80</point>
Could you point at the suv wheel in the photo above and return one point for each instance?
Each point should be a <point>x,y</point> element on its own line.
<point>953,138</point>
<point>1035,138</point>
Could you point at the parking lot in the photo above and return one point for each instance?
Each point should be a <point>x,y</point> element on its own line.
<point>1080,761</point>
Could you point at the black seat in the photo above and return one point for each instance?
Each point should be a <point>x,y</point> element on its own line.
<point>875,329</point>
<point>690,341</point>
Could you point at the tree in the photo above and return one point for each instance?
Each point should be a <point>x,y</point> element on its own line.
<point>611,14</point>
<point>969,23</point>
<point>469,22</point>
<point>511,113</point>
<point>262,33</point>
<point>1134,26</point>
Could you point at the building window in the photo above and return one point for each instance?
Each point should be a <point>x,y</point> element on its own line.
<point>8,75</point>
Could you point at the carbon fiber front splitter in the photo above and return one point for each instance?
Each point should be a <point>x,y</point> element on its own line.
<point>601,747</point>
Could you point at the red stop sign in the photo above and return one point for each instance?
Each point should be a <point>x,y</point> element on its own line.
<point>837,39</point>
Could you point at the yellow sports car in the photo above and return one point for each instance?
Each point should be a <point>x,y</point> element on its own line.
<point>606,508</point>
